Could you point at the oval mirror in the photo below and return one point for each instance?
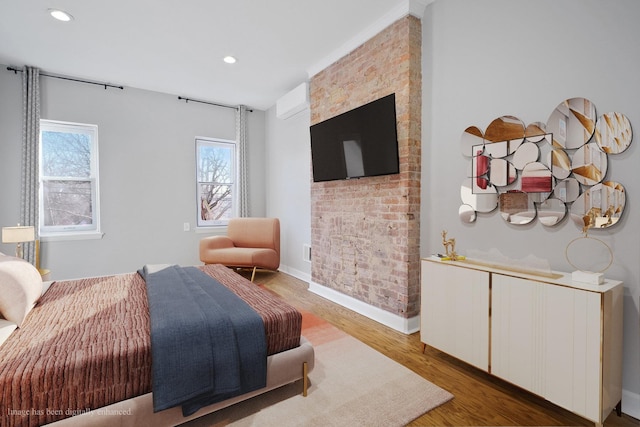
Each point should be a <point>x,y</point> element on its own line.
<point>535,132</point>
<point>560,163</point>
<point>567,190</point>
<point>479,175</point>
<point>572,123</point>
<point>613,133</point>
<point>471,142</point>
<point>551,211</point>
<point>497,150</point>
<point>527,152</point>
<point>536,178</point>
<point>600,206</point>
<point>467,213</point>
<point>589,164</point>
<point>486,201</point>
<point>501,172</point>
<point>517,208</point>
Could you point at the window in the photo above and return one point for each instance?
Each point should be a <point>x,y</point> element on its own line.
<point>69,202</point>
<point>216,181</point>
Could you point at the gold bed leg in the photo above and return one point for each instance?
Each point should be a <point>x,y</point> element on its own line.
<point>305,380</point>
<point>254,273</point>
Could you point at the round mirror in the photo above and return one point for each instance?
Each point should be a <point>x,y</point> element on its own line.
<point>535,132</point>
<point>471,142</point>
<point>560,163</point>
<point>589,164</point>
<point>567,190</point>
<point>551,211</point>
<point>501,172</point>
<point>517,208</point>
<point>467,213</point>
<point>527,152</point>
<point>484,201</point>
<point>613,133</point>
<point>600,206</point>
<point>507,131</point>
<point>572,123</point>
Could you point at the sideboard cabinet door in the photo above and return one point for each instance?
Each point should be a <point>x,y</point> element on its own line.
<point>546,339</point>
<point>455,311</point>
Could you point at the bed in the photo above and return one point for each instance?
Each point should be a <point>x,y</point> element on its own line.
<point>81,354</point>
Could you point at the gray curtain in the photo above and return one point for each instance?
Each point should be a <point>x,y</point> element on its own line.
<point>243,168</point>
<point>30,165</point>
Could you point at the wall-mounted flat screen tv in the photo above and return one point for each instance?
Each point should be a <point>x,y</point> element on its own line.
<point>361,142</point>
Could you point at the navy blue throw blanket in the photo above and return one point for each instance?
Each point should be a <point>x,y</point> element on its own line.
<point>207,344</point>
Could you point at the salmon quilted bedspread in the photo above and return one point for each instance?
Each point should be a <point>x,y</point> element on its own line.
<point>86,344</point>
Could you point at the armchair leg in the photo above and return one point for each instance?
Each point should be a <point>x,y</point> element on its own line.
<point>253,274</point>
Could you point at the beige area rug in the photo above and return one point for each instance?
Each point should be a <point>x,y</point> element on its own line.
<point>351,385</point>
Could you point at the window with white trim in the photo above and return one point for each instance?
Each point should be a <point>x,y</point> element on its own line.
<point>216,181</point>
<point>69,187</point>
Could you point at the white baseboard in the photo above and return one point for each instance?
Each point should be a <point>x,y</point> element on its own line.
<point>401,324</point>
<point>306,277</point>
<point>631,403</point>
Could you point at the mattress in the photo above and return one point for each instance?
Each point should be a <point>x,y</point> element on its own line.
<point>86,344</point>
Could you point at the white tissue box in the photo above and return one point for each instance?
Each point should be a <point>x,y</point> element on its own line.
<point>587,277</point>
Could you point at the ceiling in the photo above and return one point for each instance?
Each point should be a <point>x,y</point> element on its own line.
<point>177,47</point>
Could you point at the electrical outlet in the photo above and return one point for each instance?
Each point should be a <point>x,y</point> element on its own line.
<point>186,226</point>
<point>306,252</point>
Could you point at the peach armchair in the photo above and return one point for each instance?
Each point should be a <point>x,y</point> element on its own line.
<point>250,243</point>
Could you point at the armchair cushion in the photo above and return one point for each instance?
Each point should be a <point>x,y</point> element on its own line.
<point>250,242</point>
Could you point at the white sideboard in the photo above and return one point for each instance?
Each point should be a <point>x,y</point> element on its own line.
<point>559,339</point>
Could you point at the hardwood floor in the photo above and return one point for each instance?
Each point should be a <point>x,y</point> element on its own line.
<point>480,399</point>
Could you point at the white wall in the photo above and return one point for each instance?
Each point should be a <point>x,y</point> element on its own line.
<point>288,162</point>
<point>147,171</point>
<point>482,60</point>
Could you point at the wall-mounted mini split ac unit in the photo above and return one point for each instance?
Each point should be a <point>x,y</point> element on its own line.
<point>293,102</point>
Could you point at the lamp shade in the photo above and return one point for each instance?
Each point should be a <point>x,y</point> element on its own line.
<point>18,234</point>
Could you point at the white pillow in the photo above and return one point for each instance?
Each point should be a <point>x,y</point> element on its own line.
<point>6,328</point>
<point>20,288</point>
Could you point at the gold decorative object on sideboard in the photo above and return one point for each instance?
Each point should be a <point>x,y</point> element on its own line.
<point>449,248</point>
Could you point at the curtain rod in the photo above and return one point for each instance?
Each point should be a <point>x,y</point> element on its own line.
<point>186,100</point>
<point>16,71</point>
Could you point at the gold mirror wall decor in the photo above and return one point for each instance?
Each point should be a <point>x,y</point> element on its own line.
<point>546,170</point>
<point>567,190</point>
<point>483,202</point>
<point>467,213</point>
<point>509,131</point>
<point>572,123</point>
<point>528,152</point>
<point>472,139</point>
<point>589,164</point>
<point>516,207</point>
<point>599,206</point>
<point>501,172</point>
<point>551,211</point>
<point>535,132</point>
<point>560,163</point>
<point>613,133</point>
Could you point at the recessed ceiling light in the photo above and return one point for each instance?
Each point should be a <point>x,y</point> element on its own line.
<point>229,59</point>
<point>60,15</point>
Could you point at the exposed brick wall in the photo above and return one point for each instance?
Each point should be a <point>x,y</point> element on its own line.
<point>365,233</point>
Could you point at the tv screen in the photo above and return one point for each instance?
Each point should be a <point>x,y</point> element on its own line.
<point>361,142</point>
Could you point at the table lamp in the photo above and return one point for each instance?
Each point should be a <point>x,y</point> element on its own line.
<point>18,235</point>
